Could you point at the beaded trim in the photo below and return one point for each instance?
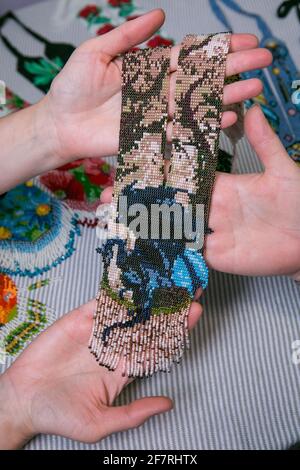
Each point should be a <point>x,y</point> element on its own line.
<point>148,283</point>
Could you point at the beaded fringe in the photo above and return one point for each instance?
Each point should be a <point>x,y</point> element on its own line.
<point>146,348</point>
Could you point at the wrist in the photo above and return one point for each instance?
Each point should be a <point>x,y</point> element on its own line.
<point>46,135</point>
<point>29,145</point>
<point>15,427</point>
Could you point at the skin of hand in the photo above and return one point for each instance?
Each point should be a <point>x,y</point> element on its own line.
<point>80,115</point>
<point>255,218</point>
<point>56,386</point>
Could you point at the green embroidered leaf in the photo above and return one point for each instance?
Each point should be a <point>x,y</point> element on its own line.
<point>33,234</point>
<point>91,190</point>
<point>126,9</point>
<point>58,61</point>
<point>50,66</point>
<point>99,20</point>
<point>44,71</point>
<point>42,80</point>
<point>33,67</point>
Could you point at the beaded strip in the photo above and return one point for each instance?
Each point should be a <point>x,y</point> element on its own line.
<point>149,282</point>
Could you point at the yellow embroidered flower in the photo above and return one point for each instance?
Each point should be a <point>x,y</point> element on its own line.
<point>43,209</point>
<point>29,183</point>
<point>5,234</point>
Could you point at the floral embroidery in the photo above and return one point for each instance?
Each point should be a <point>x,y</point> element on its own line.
<point>118,3</point>
<point>43,71</point>
<point>105,29</point>
<point>25,212</point>
<point>13,103</point>
<point>80,183</point>
<point>114,13</point>
<point>17,338</point>
<point>22,316</point>
<point>92,14</point>
<point>89,10</point>
<point>31,221</point>
<point>157,41</point>
<point>8,299</point>
<point>126,6</point>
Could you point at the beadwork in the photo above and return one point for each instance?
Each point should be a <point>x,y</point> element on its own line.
<point>148,284</point>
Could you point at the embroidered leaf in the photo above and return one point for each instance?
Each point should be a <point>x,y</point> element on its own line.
<point>58,61</point>
<point>43,70</point>
<point>33,67</point>
<point>126,9</point>
<point>99,20</point>
<point>42,80</point>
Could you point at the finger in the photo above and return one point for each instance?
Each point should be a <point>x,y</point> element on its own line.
<point>265,142</point>
<point>127,35</point>
<point>228,119</point>
<point>194,314</point>
<point>263,56</point>
<point>121,418</point>
<point>242,42</point>
<point>198,294</point>
<point>242,90</point>
<point>243,61</point>
<point>106,195</point>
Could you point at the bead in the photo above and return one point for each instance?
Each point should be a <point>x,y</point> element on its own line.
<point>149,283</point>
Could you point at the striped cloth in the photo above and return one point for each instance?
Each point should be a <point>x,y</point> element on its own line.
<point>237,388</point>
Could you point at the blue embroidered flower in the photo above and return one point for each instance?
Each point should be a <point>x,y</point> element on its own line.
<point>25,213</point>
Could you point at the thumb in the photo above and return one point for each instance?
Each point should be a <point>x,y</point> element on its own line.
<point>265,142</point>
<point>129,34</point>
<point>121,418</point>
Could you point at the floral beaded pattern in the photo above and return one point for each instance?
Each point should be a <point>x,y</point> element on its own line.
<point>80,183</point>
<point>37,232</point>
<point>22,316</point>
<point>148,285</point>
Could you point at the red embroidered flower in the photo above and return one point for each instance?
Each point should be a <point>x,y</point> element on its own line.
<point>98,171</point>
<point>105,29</point>
<point>89,10</point>
<point>71,165</point>
<point>159,41</point>
<point>118,3</point>
<point>63,185</point>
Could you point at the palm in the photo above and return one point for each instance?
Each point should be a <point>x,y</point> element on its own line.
<point>255,218</point>
<point>86,103</point>
<point>254,224</point>
<point>63,389</point>
<point>68,391</point>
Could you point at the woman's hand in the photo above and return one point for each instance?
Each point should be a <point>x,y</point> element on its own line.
<point>84,102</point>
<point>256,217</point>
<point>56,386</point>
